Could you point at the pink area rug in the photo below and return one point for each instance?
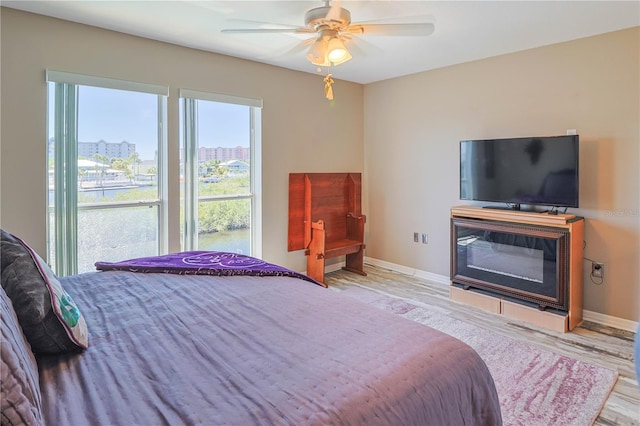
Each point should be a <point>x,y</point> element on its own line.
<point>536,387</point>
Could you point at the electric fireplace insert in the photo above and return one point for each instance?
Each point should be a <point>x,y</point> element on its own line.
<point>526,263</point>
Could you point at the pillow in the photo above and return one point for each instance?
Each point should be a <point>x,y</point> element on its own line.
<point>50,320</point>
<point>20,396</point>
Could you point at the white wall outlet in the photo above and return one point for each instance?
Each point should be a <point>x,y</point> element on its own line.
<point>597,270</point>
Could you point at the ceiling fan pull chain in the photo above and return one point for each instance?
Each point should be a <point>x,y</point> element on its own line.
<point>328,87</point>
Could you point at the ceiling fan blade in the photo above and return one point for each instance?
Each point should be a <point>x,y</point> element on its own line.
<point>258,24</point>
<point>353,45</point>
<point>299,47</point>
<point>423,29</point>
<point>359,46</point>
<point>301,30</point>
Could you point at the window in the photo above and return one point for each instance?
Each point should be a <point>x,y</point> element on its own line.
<point>221,173</point>
<point>106,149</point>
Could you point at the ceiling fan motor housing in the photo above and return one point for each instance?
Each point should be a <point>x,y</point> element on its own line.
<point>319,18</point>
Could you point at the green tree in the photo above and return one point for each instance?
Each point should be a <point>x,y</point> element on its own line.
<point>211,168</point>
<point>134,159</point>
<point>100,168</point>
<point>81,174</point>
<point>218,216</point>
<point>125,166</point>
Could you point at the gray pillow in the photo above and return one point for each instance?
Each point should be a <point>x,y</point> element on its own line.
<point>50,319</point>
<point>20,396</point>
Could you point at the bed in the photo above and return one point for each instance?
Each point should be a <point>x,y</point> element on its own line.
<point>220,347</point>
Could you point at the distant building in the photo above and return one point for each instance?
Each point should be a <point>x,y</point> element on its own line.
<point>236,166</point>
<point>223,154</point>
<point>122,149</point>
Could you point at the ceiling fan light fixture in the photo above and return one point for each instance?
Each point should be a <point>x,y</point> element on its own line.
<point>317,54</point>
<point>332,26</point>
<point>337,53</point>
<point>328,49</point>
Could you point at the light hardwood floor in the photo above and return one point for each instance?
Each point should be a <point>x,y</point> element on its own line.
<point>590,342</point>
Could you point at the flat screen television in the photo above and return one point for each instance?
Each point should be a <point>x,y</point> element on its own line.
<point>536,171</point>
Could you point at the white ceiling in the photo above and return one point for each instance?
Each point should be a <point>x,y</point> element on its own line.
<point>464,30</point>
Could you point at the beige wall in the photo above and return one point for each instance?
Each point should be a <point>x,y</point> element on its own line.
<point>413,125</point>
<point>402,132</point>
<point>302,131</point>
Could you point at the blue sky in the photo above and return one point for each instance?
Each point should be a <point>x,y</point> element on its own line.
<point>117,115</point>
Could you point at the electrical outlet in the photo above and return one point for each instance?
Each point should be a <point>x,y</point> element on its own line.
<point>425,239</point>
<point>597,270</point>
<point>416,237</point>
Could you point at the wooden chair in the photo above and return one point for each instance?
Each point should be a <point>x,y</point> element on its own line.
<point>325,220</point>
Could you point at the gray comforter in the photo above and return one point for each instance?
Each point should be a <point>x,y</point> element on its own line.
<point>169,349</point>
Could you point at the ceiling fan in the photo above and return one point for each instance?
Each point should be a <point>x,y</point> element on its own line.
<point>332,26</point>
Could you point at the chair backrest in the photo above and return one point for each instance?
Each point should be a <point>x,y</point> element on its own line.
<point>322,196</point>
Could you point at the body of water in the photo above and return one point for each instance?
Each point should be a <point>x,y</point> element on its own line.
<point>114,235</point>
<point>106,194</point>
<point>237,241</point>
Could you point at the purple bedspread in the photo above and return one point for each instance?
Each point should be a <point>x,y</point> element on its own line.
<point>204,263</point>
<point>169,349</point>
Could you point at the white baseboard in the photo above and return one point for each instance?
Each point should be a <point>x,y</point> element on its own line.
<point>334,267</point>
<point>429,276</point>
<point>328,268</point>
<point>615,322</point>
<point>607,320</point>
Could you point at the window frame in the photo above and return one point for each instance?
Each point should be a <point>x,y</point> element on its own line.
<point>188,101</point>
<point>65,135</point>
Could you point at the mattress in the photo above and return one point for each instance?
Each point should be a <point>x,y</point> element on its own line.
<point>244,350</point>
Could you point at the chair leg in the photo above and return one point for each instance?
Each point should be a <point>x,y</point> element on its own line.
<point>315,266</point>
<point>355,263</point>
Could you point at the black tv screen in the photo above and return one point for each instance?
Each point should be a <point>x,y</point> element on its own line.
<point>533,171</point>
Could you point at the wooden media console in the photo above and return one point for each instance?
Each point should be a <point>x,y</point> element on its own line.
<point>524,265</point>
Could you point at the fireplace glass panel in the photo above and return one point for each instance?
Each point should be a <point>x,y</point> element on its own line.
<point>520,263</point>
<point>503,259</point>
